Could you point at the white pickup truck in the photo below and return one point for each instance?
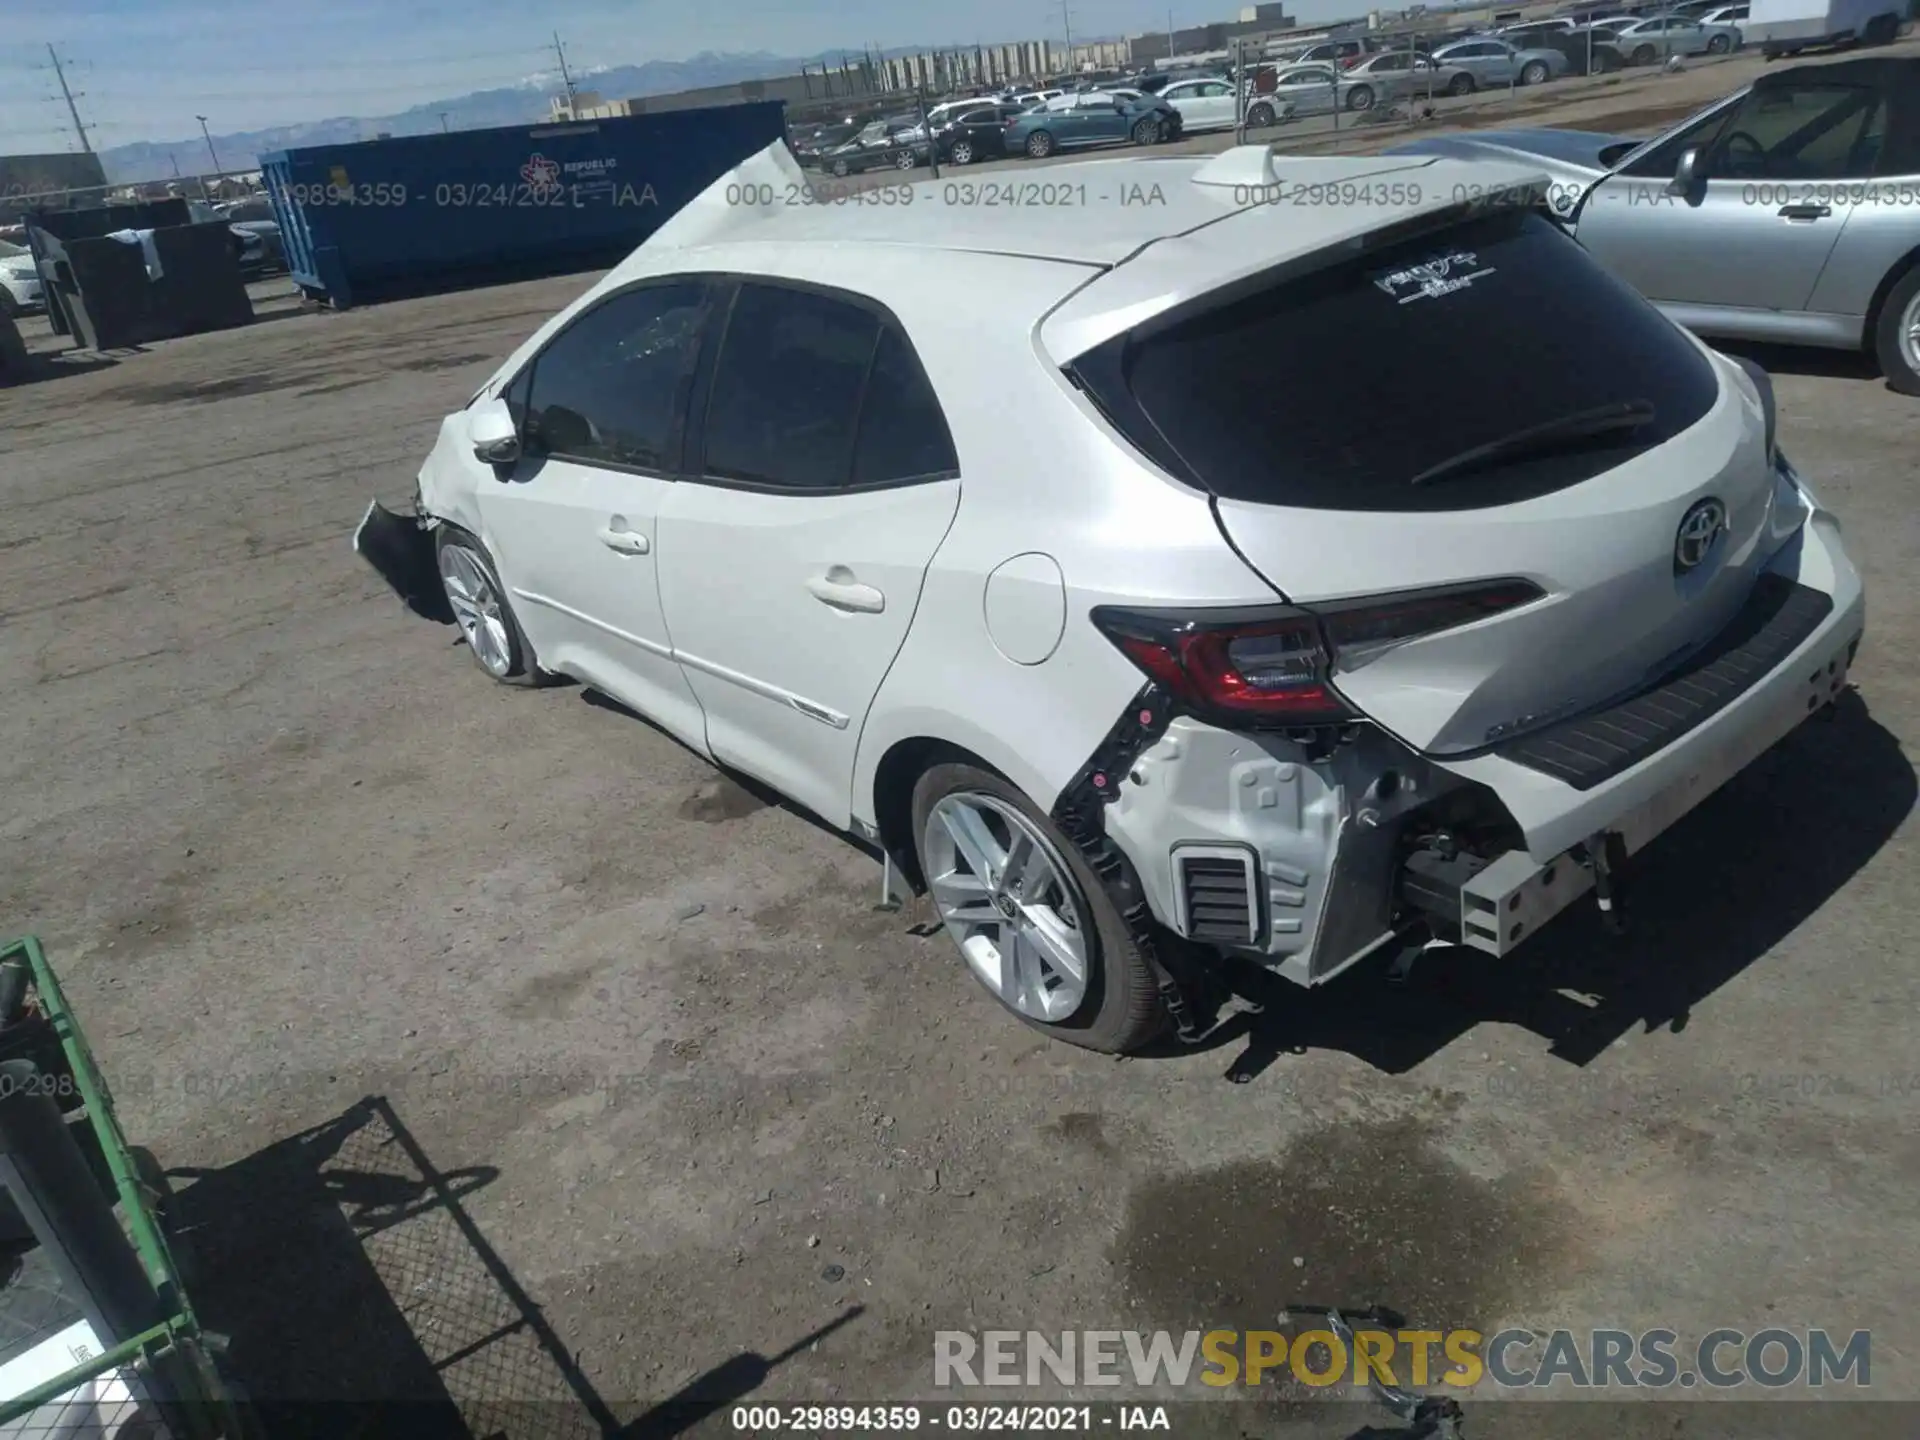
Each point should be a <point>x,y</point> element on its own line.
<point>1780,27</point>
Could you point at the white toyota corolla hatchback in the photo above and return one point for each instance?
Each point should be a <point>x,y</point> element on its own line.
<point>1291,558</point>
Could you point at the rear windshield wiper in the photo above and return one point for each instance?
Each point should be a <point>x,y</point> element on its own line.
<point>1565,433</point>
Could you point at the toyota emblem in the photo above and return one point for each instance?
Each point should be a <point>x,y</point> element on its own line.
<point>1700,527</point>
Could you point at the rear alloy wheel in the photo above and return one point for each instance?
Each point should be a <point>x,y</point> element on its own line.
<point>1719,45</point>
<point>480,609</point>
<point>1360,98</point>
<point>1534,72</point>
<point>1040,144</point>
<point>1032,922</point>
<point>1261,116</point>
<point>1645,55</point>
<point>1896,336</point>
<point>1148,132</point>
<point>840,168</point>
<point>1461,84</point>
<point>962,152</point>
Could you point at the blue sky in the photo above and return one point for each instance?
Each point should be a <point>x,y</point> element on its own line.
<point>147,67</point>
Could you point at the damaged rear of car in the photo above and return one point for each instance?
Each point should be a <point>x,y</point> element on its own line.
<point>1543,580</point>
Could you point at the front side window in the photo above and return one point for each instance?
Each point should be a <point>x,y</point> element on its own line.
<point>1660,161</point>
<point>607,388</point>
<point>1798,132</point>
<point>1248,400</point>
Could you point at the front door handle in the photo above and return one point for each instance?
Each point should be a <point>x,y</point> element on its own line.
<point>1805,212</point>
<point>627,542</point>
<point>839,589</point>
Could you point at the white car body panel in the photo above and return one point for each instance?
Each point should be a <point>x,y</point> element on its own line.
<point>982,636</point>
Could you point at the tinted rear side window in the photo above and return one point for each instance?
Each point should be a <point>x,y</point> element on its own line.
<point>1332,390</point>
<point>786,391</point>
<point>903,434</point>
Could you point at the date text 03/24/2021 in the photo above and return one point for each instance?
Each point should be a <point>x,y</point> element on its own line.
<point>960,1419</point>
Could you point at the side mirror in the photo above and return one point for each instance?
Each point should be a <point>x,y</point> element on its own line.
<point>491,431</point>
<point>1687,178</point>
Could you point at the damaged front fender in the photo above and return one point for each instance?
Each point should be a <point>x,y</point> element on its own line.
<point>400,547</point>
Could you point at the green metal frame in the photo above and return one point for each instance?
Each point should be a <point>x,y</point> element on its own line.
<point>210,1412</point>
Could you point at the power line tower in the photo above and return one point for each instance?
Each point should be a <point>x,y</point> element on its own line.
<point>1066,25</point>
<point>566,75</point>
<point>67,94</point>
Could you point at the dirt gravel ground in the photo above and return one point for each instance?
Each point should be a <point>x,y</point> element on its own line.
<point>504,1053</point>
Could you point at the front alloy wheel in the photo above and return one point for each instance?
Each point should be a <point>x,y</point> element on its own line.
<point>477,610</point>
<point>962,152</point>
<point>479,604</point>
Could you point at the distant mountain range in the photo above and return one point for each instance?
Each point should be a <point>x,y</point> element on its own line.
<point>521,104</point>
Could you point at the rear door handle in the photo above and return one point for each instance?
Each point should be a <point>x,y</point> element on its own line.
<point>839,589</point>
<point>1805,212</point>
<point>627,542</point>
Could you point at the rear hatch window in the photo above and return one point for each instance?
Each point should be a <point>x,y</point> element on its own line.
<point>1335,390</point>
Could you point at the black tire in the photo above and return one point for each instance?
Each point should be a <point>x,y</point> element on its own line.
<point>1534,72</point>
<point>840,169</point>
<point>1261,116</point>
<point>1122,1011</point>
<point>1645,55</point>
<point>9,306</point>
<point>522,668</point>
<point>1901,309</point>
<point>962,152</point>
<point>1147,132</point>
<point>1462,84</point>
<point>906,160</point>
<point>1360,98</point>
<point>1881,30</point>
<point>1719,45</point>
<point>1039,144</point>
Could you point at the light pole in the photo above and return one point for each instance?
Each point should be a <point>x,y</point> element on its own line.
<point>212,154</point>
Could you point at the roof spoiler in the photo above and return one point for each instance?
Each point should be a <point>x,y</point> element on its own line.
<point>761,184</point>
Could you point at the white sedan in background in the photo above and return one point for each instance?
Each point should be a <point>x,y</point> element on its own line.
<point>1206,104</point>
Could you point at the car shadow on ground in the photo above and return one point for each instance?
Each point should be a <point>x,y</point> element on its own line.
<point>359,1298</point>
<point>1703,902</point>
<point>1805,360</point>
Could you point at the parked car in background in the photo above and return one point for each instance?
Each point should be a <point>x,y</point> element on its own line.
<point>1207,104</point>
<point>20,292</point>
<point>1091,117</point>
<point>1734,15</point>
<point>1330,52</point>
<point>962,529</point>
<point>1660,37</point>
<point>974,132</point>
<point>898,143</point>
<point>256,242</point>
<point>1299,91</point>
<point>1761,217</point>
<point>1493,61</point>
<point>1405,73</point>
<point>1530,32</point>
<point>1783,27</point>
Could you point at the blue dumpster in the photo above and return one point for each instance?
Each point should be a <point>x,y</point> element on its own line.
<point>387,217</point>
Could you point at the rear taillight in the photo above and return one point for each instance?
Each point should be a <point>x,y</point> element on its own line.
<point>1279,663</point>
